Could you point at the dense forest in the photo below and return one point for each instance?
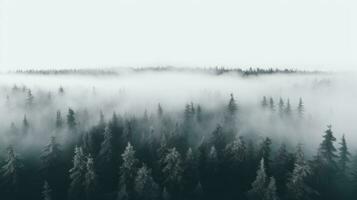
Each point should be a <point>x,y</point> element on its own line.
<point>197,152</point>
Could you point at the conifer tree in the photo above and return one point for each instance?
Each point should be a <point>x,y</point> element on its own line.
<point>281,107</point>
<point>270,193</point>
<point>46,193</point>
<point>271,104</point>
<point>145,186</point>
<point>160,111</point>
<point>199,116</point>
<point>300,108</point>
<point>25,125</point>
<point>77,175</point>
<point>190,173</point>
<point>172,171</point>
<point>265,151</point>
<point>259,185</point>
<point>11,170</point>
<point>264,102</point>
<point>297,188</point>
<point>71,120</point>
<point>287,110</point>
<point>90,181</point>
<point>344,156</point>
<point>59,120</point>
<point>128,171</point>
<point>29,98</point>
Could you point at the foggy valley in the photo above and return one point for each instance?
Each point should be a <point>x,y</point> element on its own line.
<point>153,120</point>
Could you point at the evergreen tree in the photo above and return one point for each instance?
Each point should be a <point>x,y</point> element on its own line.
<point>71,120</point>
<point>173,171</point>
<point>199,116</point>
<point>327,149</point>
<point>190,173</point>
<point>271,104</point>
<point>128,171</point>
<point>281,107</point>
<point>53,168</point>
<point>264,102</point>
<point>59,120</point>
<point>46,193</point>
<point>90,181</point>
<point>232,106</point>
<point>287,110</point>
<point>259,185</point>
<point>145,186</point>
<point>296,185</point>
<point>270,193</point>
<point>265,151</point>
<point>160,111</point>
<point>77,175</point>
<point>344,156</point>
<point>25,125</point>
<point>11,170</point>
<point>300,108</point>
<point>29,98</point>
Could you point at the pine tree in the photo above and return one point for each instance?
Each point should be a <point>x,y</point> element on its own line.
<point>172,171</point>
<point>281,107</point>
<point>53,168</point>
<point>344,156</point>
<point>160,111</point>
<point>106,150</point>
<point>281,166</point>
<point>10,172</point>
<point>59,120</point>
<point>264,102</point>
<point>237,150</point>
<point>90,181</point>
<point>327,149</point>
<point>259,185</point>
<point>232,106</point>
<point>297,188</point>
<point>287,108</point>
<point>46,193</point>
<point>218,140</point>
<point>199,116</point>
<point>29,98</point>
<point>25,125</point>
<point>145,186</point>
<point>270,193</point>
<point>77,175</point>
<point>271,104</point>
<point>128,170</point>
<point>265,151</point>
<point>300,108</point>
<point>71,120</point>
<point>190,174</point>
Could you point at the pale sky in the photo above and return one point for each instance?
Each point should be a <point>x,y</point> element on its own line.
<point>308,34</point>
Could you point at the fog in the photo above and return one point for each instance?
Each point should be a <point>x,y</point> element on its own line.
<point>329,99</point>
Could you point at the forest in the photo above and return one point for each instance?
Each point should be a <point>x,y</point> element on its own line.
<point>222,148</point>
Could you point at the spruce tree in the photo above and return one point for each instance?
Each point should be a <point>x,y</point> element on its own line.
<point>71,120</point>
<point>344,156</point>
<point>173,171</point>
<point>281,107</point>
<point>271,104</point>
<point>264,102</point>
<point>25,125</point>
<point>46,192</point>
<point>259,185</point>
<point>59,120</point>
<point>300,108</point>
<point>287,110</point>
<point>270,193</point>
<point>145,186</point>
<point>128,171</point>
<point>77,176</point>
<point>297,188</point>
<point>90,182</point>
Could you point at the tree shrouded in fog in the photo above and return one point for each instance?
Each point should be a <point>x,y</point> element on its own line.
<point>71,120</point>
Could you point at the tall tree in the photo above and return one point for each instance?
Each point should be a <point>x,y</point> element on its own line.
<point>270,193</point>
<point>288,108</point>
<point>77,175</point>
<point>271,104</point>
<point>300,108</point>
<point>264,102</point>
<point>145,186</point>
<point>90,182</point>
<point>173,172</point>
<point>71,120</point>
<point>128,171</point>
<point>281,107</point>
<point>25,125</point>
<point>265,151</point>
<point>297,188</point>
<point>259,185</point>
<point>46,193</point>
<point>344,156</point>
<point>11,174</point>
<point>59,120</point>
